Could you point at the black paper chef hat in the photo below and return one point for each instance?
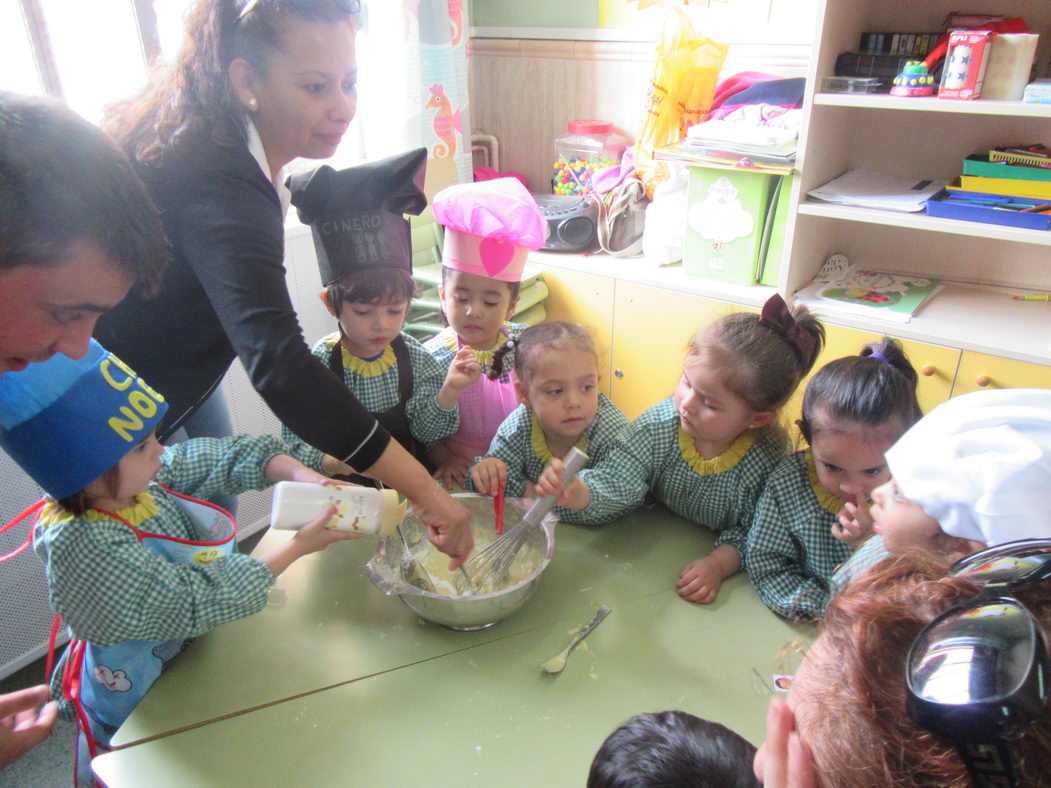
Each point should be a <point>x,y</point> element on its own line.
<point>357,214</point>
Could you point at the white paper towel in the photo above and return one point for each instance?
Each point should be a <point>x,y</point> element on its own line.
<point>1009,65</point>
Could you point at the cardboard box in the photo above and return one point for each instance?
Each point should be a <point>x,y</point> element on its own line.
<point>965,63</point>
<point>726,215</point>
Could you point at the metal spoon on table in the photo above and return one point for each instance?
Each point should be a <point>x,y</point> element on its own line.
<point>558,662</point>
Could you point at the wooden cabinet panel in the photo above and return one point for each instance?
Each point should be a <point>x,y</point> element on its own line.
<point>586,299</point>
<point>979,371</point>
<point>936,365</point>
<point>653,328</point>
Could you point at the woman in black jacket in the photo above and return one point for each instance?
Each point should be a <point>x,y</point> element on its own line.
<point>256,84</point>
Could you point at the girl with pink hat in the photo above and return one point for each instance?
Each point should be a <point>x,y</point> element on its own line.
<point>489,229</point>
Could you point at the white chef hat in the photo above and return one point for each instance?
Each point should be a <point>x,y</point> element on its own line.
<point>980,465</point>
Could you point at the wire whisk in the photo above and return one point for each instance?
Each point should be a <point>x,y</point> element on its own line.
<point>490,566</point>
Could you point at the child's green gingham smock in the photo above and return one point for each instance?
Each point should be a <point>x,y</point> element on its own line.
<point>721,492</point>
<point>375,384</point>
<point>792,554</point>
<point>871,552</point>
<point>443,347</point>
<point>108,588</point>
<point>521,444</point>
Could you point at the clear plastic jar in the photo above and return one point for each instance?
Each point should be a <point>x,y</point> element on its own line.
<point>590,145</point>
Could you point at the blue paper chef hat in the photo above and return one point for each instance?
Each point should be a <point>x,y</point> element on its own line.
<point>67,422</point>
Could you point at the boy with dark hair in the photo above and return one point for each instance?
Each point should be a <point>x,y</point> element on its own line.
<point>673,749</point>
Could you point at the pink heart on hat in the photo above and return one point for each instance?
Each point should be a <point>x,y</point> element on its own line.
<point>496,254</point>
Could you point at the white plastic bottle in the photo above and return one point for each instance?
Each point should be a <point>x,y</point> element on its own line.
<point>362,509</point>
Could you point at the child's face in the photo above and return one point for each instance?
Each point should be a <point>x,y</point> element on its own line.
<point>134,471</point>
<point>708,411</point>
<point>849,457</point>
<point>369,328</point>
<point>476,307</point>
<point>902,522</point>
<point>563,392</point>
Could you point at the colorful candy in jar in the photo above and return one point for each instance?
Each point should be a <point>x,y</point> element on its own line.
<point>574,176</point>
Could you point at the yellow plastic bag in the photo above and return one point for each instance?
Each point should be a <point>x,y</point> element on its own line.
<point>685,72</point>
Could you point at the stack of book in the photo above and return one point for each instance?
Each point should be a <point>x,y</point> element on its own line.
<point>1010,186</point>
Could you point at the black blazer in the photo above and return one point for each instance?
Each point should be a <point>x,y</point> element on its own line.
<point>224,296</point>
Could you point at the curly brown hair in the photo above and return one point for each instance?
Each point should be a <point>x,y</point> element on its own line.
<point>851,703</point>
<point>193,96</point>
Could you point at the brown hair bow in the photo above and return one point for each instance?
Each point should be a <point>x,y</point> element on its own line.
<point>777,314</point>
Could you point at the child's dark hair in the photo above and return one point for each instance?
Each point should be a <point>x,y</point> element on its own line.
<point>558,335</point>
<point>79,502</point>
<point>870,388</point>
<point>375,286</point>
<point>673,749</point>
<point>762,358</point>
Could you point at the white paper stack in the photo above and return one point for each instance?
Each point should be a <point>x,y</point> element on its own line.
<point>869,189</point>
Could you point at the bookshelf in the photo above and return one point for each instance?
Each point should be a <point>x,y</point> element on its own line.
<point>922,137</point>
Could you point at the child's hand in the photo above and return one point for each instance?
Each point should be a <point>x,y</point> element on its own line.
<point>453,470</point>
<point>855,523</point>
<point>489,475</point>
<point>575,496</point>
<point>464,369</point>
<point>316,535</point>
<point>699,582</point>
<point>23,722</point>
<point>330,466</point>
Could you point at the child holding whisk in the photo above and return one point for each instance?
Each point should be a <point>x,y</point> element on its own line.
<point>814,507</point>
<point>557,384</point>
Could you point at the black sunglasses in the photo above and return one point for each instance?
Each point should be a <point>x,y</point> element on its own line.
<point>349,6</point>
<point>978,673</point>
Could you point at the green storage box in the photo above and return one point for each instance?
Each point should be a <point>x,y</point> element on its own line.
<point>774,235</point>
<point>979,164</point>
<point>726,215</point>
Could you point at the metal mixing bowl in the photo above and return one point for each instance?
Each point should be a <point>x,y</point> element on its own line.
<point>390,569</point>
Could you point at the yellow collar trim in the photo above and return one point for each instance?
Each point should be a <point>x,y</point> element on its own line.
<point>724,462</point>
<point>485,357</point>
<point>139,512</point>
<point>828,501</point>
<point>368,369</point>
<point>539,440</point>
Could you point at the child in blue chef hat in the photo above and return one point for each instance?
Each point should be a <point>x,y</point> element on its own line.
<point>136,563</point>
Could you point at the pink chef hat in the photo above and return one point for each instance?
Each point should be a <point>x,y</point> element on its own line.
<point>490,226</point>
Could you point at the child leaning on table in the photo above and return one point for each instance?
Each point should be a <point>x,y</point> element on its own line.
<point>557,372</point>
<point>365,260</point>
<point>814,507</point>
<point>135,562</point>
<point>490,226</point>
<point>706,451</point>
<point>973,473</point>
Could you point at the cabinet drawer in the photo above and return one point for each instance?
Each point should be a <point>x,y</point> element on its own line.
<point>979,371</point>
<point>653,329</point>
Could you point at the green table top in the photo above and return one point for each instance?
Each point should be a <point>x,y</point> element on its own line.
<point>340,682</point>
<point>327,624</point>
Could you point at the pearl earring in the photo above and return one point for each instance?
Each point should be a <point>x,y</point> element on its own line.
<point>253,103</point>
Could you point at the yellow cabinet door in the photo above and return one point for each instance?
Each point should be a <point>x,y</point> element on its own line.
<point>586,299</point>
<point>653,329</point>
<point>935,366</point>
<point>979,371</point>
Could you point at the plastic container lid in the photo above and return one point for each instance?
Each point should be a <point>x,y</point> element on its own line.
<point>590,126</point>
